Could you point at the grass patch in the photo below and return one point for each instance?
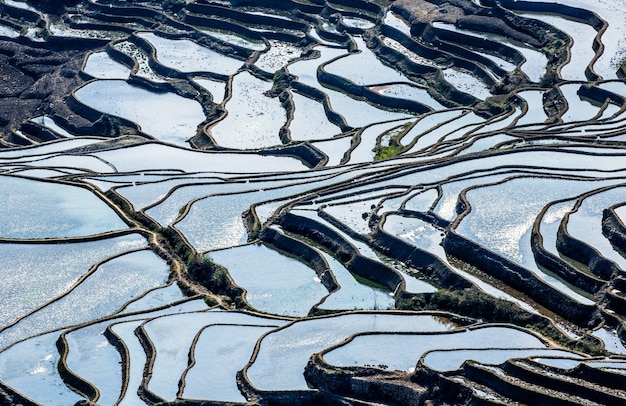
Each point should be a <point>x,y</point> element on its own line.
<point>392,139</point>
<point>385,152</point>
<point>370,283</point>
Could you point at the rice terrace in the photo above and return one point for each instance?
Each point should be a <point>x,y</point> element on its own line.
<point>313,202</point>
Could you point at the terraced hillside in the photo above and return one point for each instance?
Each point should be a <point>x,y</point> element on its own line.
<point>300,202</point>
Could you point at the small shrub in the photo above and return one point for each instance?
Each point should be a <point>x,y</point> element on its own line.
<point>278,75</point>
<point>220,277</point>
<point>549,79</point>
<point>179,246</point>
<point>384,152</point>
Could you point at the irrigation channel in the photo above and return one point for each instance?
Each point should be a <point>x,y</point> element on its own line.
<point>303,202</point>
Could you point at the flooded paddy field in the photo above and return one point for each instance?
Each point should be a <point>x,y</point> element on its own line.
<point>312,202</point>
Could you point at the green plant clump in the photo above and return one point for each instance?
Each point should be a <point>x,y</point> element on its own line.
<point>384,152</point>
<point>210,274</point>
<point>472,302</point>
<point>179,246</point>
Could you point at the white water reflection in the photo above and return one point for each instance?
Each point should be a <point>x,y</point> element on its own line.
<point>274,283</point>
<point>253,119</point>
<point>166,116</point>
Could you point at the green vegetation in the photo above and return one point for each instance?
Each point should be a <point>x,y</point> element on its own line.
<point>384,152</point>
<point>282,81</point>
<point>496,105</point>
<point>394,147</point>
<point>474,303</point>
<point>555,47</point>
<point>109,125</point>
<point>208,274</point>
<point>370,283</point>
<point>211,275</point>
<point>279,75</point>
<point>549,79</point>
<point>177,244</point>
<point>125,207</point>
<point>470,302</point>
<point>215,277</point>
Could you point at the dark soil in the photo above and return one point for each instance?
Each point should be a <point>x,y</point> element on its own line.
<point>36,81</point>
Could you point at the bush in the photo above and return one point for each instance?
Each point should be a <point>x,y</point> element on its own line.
<point>549,79</point>
<point>179,246</point>
<point>384,152</point>
<point>210,275</point>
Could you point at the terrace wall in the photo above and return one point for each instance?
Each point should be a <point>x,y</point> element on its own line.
<point>364,383</point>
<point>517,277</point>
<point>343,251</point>
<point>428,264</point>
